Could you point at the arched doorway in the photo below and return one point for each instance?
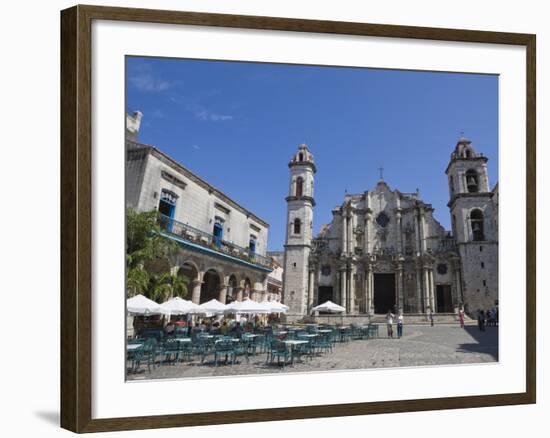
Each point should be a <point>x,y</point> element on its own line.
<point>189,273</point>
<point>210,287</point>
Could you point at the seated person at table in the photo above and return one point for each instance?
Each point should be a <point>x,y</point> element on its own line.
<point>237,328</point>
<point>180,323</point>
<point>170,328</point>
<point>224,329</point>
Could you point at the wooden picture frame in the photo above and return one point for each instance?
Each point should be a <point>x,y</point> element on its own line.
<point>76,217</point>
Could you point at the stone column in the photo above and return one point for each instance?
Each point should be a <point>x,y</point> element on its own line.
<point>343,285</point>
<point>352,226</point>
<point>419,306</point>
<point>432,289</point>
<point>399,232</point>
<point>344,233</point>
<point>264,288</point>
<point>370,293</point>
<point>351,297</point>
<point>399,279</point>
<point>310,289</point>
<point>422,232</point>
<point>196,294</point>
<point>366,233</point>
<point>238,293</point>
<point>365,291</point>
<point>426,290</point>
<point>458,287</point>
<point>417,248</point>
<point>349,234</point>
<point>223,293</point>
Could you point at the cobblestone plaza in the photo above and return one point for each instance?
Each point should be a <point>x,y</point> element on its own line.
<point>421,345</point>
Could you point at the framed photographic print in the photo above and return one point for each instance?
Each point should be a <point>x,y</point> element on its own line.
<point>303,218</point>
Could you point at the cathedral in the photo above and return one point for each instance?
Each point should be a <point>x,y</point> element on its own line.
<point>384,249</point>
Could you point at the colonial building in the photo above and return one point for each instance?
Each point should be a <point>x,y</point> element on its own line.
<point>222,245</point>
<point>384,250</point>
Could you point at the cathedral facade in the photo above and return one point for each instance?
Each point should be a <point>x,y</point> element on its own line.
<point>384,250</point>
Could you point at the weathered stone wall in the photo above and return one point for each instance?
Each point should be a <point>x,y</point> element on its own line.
<point>480,274</point>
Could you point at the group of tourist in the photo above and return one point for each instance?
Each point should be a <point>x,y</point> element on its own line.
<point>487,318</point>
<point>389,323</point>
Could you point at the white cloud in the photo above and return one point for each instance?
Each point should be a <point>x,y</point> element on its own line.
<point>148,82</point>
<point>202,113</point>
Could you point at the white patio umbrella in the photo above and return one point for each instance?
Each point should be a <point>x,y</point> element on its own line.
<point>140,305</point>
<point>330,307</point>
<point>275,306</point>
<point>178,306</point>
<point>210,307</point>
<point>248,307</point>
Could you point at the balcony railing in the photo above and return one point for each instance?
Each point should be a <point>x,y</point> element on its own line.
<point>447,244</point>
<point>210,241</point>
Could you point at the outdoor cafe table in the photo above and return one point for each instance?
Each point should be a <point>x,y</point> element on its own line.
<point>324,331</point>
<point>133,347</point>
<point>293,343</point>
<point>309,335</point>
<point>183,340</point>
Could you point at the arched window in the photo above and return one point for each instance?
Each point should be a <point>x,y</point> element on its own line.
<point>299,186</point>
<point>476,220</point>
<point>300,157</point>
<point>297,226</point>
<point>451,183</point>
<point>472,183</point>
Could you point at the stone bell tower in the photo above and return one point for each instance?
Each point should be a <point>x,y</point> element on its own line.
<point>474,224</point>
<point>299,229</point>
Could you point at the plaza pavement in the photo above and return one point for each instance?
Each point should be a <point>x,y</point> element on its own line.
<point>421,345</point>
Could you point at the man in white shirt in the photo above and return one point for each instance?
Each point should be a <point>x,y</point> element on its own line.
<point>389,321</point>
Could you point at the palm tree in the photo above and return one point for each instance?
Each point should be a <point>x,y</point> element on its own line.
<point>144,241</point>
<point>166,286</point>
<point>137,281</point>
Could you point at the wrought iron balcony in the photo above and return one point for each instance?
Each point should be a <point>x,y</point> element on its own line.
<point>207,240</point>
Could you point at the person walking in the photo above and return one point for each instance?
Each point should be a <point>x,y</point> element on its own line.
<point>400,325</point>
<point>431,318</point>
<point>389,322</point>
<point>481,321</point>
<point>461,317</point>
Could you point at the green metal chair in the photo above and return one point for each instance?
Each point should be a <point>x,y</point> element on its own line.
<point>323,344</point>
<point>242,348</point>
<point>224,348</point>
<point>277,351</point>
<point>171,350</point>
<point>373,331</point>
<point>202,347</point>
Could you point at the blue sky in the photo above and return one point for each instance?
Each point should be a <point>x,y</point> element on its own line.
<point>237,125</point>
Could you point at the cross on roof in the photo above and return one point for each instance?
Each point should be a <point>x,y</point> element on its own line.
<point>381,170</point>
